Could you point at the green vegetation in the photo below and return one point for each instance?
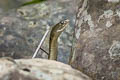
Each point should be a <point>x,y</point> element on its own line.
<point>33,2</point>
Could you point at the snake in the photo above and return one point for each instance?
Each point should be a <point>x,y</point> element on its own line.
<point>54,35</point>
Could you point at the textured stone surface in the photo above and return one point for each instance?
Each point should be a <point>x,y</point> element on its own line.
<point>26,25</point>
<point>38,69</point>
<point>98,46</point>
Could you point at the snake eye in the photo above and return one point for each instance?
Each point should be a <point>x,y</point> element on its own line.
<point>62,22</point>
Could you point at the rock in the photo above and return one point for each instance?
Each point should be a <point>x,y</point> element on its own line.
<point>37,69</point>
<point>98,47</point>
<point>12,43</point>
<point>22,29</point>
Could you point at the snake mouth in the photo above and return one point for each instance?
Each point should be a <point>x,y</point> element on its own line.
<point>67,20</point>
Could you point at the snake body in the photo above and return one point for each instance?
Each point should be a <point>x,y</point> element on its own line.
<point>55,33</point>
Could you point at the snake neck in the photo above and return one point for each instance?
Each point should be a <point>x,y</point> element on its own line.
<point>53,48</point>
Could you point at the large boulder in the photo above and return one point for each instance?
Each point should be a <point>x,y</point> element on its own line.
<point>98,46</point>
<point>37,69</point>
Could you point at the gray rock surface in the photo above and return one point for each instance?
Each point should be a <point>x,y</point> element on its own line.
<point>37,69</point>
<point>23,28</point>
<point>98,47</point>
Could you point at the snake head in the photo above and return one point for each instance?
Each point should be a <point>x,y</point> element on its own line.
<point>59,28</point>
<point>62,25</point>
